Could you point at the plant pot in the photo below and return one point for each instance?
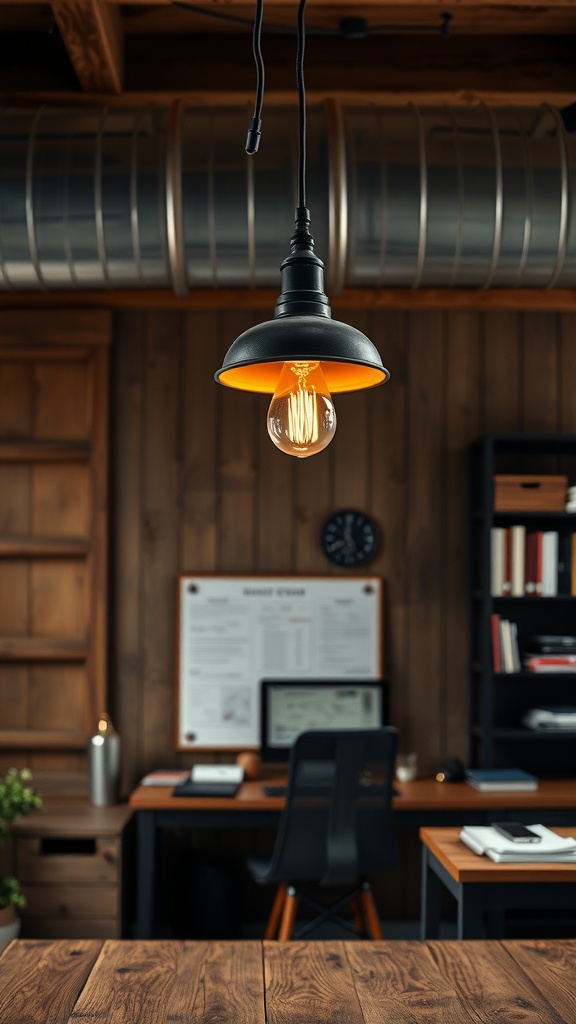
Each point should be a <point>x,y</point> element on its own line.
<point>9,924</point>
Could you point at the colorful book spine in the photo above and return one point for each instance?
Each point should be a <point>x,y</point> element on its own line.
<point>496,648</point>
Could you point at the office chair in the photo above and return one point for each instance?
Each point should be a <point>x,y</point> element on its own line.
<point>335,829</point>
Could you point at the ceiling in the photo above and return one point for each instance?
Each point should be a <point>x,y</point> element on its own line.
<point>463,50</point>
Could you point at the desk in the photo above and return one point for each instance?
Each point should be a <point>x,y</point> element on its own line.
<point>286,983</point>
<point>423,802</point>
<point>485,890</point>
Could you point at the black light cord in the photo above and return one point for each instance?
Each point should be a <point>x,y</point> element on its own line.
<point>301,106</point>
<point>254,131</point>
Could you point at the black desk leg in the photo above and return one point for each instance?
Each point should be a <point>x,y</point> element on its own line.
<point>145,874</point>
<point>470,899</point>
<point>431,896</point>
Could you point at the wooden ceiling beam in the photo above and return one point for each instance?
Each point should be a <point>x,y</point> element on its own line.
<point>377,5</point>
<point>263,299</point>
<point>93,37</point>
<point>403,65</point>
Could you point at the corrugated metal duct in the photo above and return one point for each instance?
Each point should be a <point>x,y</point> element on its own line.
<point>156,197</point>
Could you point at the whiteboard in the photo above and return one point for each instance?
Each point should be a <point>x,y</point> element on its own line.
<point>234,631</point>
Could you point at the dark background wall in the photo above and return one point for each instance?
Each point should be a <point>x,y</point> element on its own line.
<point>197,486</point>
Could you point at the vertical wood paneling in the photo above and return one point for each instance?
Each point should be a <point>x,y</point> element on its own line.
<point>502,368</point>
<point>388,499</point>
<point>126,531</point>
<point>313,491</point>
<point>462,427</point>
<point>540,373</point>
<point>274,496</point>
<point>199,445</point>
<point>426,542</point>
<point>351,447</point>
<point>238,463</point>
<point>567,373</point>
<point>160,529</point>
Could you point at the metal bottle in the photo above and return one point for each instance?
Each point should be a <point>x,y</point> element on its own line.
<point>104,764</point>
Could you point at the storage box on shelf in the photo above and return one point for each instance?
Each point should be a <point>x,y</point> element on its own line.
<point>71,861</point>
<point>530,493</point>
<point>510,618</point>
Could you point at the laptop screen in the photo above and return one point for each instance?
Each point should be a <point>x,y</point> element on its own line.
<point>291,706</point>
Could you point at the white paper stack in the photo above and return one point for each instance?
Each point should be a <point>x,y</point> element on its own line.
<point>211,773</point>
<point>484,839</point>
<point>556,717</point>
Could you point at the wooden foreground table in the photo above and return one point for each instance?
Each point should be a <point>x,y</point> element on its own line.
<point>156,982</point>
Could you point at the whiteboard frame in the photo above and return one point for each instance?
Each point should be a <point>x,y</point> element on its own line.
<point>229,585</point>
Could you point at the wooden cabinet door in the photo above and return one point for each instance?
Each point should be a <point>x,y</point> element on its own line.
<point>53,534</point>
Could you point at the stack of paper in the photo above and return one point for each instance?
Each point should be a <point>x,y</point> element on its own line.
<point>555,717</point>
<point>484,839</point>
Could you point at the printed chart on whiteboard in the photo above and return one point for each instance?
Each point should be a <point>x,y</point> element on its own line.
<point>234,631</point>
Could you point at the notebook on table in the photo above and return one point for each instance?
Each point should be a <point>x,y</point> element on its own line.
<point>211,780</point>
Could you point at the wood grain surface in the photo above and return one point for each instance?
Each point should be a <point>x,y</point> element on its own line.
<point>466,866</point>
<point>125,982</point>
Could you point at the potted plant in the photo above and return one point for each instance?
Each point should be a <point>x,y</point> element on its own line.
<point>17,798</point>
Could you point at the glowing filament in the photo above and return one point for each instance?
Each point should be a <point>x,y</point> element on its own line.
<point>301,417</point>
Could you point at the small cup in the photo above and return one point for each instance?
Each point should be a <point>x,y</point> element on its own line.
<point>406,767</point>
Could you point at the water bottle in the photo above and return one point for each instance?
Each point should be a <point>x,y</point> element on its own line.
<point>104,764</point>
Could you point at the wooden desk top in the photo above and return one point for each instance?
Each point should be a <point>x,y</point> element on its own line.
<point>423,794</point>
<point>125,982</point>
<point>74,817</point>
<point>466,866</point>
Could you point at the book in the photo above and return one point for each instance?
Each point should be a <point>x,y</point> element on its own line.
<point>164,777</point>
<point>485,840</point>
<point>211,780</point>
<point>564,563</point>
<point>531,563</point>
<point>501,780</point>
<point>515,646</point>
<point>551,663</point>
<point>518,541</point>
<point>497,559</point>
<point>496,648</point>
<point>539,563</point>
<point>508,641</point>
<point>552,643</point>
<point>550,563</point>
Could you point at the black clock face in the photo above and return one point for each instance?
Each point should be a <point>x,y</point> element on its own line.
<point>349,538</point>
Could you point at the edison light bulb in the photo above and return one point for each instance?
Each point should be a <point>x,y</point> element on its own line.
<point>301,417</point>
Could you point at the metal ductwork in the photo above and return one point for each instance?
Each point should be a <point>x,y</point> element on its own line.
<point>157,197</point>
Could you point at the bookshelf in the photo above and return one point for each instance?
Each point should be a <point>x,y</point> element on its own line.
<point>500,699</point>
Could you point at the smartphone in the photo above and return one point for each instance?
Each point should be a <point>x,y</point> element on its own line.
<point>516,832</point>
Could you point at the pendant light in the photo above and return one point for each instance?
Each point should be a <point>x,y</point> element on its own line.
<point>302,357</point>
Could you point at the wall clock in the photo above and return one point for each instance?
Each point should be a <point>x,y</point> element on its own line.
<point>349,538</point>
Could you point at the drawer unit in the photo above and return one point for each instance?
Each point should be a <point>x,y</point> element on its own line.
<point>70,858</point>
<point>71,861</point>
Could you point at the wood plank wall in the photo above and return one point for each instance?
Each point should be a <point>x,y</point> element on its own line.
<point>198,487</point>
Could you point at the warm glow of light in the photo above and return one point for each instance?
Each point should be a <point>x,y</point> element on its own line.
<point>301,417</point>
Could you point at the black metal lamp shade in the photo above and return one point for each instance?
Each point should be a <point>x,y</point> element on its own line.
<point>349,360</point>
<point>302,331</point>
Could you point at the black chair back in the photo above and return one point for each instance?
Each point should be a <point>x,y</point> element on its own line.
<point>337,822</point>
